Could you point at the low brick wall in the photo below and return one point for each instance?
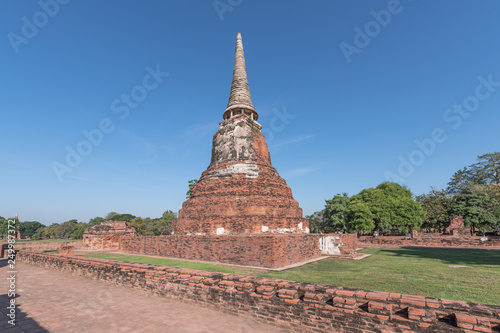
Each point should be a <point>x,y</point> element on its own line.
<point>428,240</point>
<point>41,246</point>
<point>299,306</point>
<point>269,251</point>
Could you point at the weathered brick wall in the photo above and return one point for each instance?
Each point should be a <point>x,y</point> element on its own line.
<point>429,240</point>
<point>299,306</point>
<point>106,235</point>
<point>349,242</point>
<point>251,250</point>
<point>41,246</point>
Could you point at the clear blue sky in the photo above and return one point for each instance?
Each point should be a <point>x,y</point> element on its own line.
<point>359,100</point>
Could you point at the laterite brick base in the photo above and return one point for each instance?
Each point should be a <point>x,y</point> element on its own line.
<point>271,251</point>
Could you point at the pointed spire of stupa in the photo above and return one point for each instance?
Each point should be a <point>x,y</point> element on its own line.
<point>240,100</point>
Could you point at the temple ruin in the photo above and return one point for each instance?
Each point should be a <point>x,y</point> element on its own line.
<point>240,192</point>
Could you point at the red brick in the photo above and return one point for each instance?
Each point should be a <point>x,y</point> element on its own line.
<point>482,329</point>
<point>463,318</point>
<point>342,292</point>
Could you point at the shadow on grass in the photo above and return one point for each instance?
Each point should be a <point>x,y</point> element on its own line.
<point>451,256</point>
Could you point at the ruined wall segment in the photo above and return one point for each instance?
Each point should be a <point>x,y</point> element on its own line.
<point>261,250</point>
<point>106,235</point>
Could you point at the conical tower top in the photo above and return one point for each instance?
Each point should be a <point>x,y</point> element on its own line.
<point>240,100</point>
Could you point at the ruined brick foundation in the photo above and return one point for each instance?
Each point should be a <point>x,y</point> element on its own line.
<point>300,307</point>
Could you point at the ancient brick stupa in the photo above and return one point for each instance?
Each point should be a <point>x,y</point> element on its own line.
<point>240,192</point>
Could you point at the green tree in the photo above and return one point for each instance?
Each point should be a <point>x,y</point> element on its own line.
<point>39,233</point>
<point>458,181</point>
<point>114,216</point>
<point>334,214</point>
<point>3,227</point>
<point>111,216</point>
<point>29,228</point>
<point>163,225</point>
<point>315,221</point>
<point>479,210</point>
<point>392,208</point>
<point>191,184</point>
<point>379,207</point>
<point>96,220</point>
<point>437,206</point>
<point>65,229</point>
<point>144,227</point>
<point>359,217</point>
<point>488,169</point>
<point>485,172</point>
<point>125,217</point>
<point>77,232</point>
<point>50,231</point>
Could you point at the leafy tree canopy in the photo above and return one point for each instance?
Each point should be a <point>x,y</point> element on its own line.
<point>485,172</point>
<point>437,205</point>
<point>359,216</point>
<point>334,214</point>
<point>479,210</point>
<point>315,221</point>
<point>29,228</point>
<point>114,216</point>
<point>392,208</point>
<point>96,220</point>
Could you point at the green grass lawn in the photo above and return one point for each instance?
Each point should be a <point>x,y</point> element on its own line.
<point>424,272</point>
